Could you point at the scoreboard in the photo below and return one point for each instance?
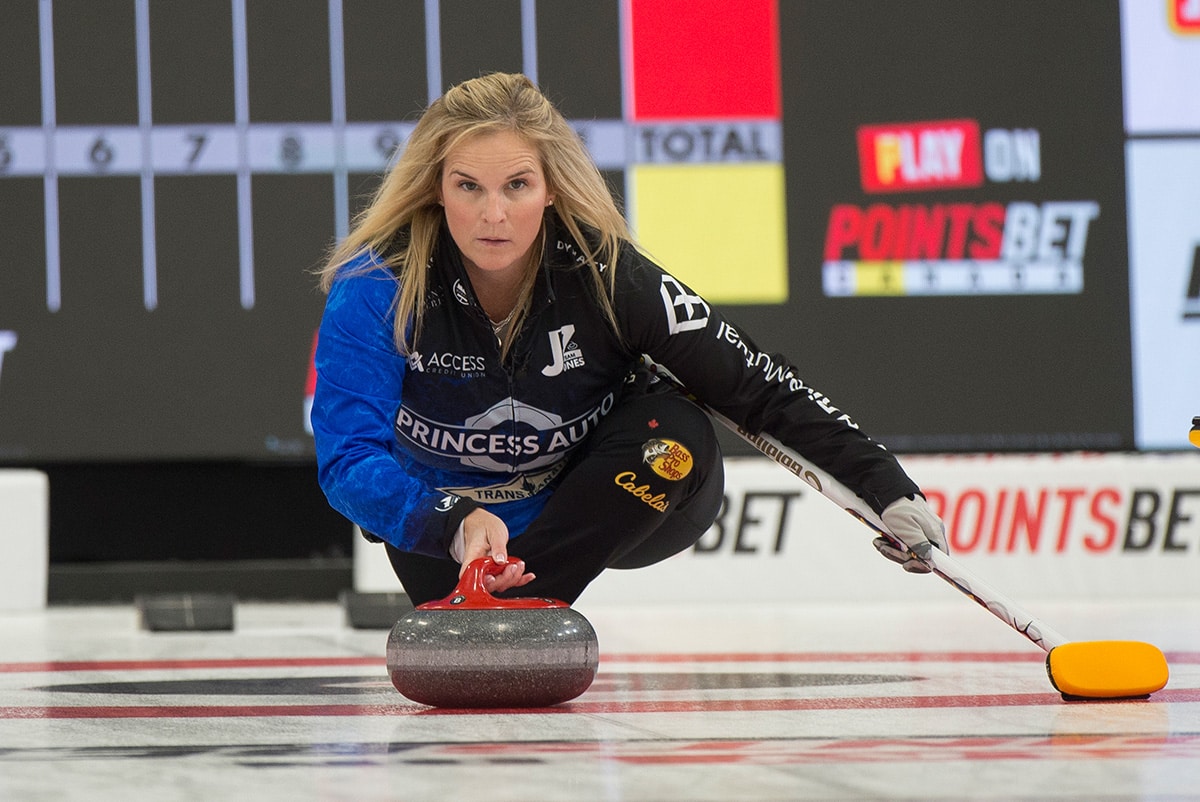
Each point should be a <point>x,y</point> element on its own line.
<point>923,205</point>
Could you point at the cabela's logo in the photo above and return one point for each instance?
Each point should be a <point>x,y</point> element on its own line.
<point>627,481</point>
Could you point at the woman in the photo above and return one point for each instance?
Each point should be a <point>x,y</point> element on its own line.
<point>477,369</point>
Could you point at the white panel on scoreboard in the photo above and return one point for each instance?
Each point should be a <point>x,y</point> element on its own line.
<point>187,149</point>
<point>97,151</point>
<point>22,151</point>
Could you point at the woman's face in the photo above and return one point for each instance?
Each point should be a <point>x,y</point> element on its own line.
<point>494,193</point>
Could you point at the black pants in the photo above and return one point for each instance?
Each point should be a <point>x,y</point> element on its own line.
<point>623,502</point>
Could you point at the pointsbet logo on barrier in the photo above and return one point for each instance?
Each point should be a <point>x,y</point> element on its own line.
<point>1059,527</point>
<point>1054,527</point>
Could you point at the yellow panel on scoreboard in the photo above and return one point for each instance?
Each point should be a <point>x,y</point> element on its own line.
<point>879,278</point>
<point>719,228</point>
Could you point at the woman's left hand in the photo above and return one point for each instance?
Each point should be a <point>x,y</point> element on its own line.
<point>912,522</point>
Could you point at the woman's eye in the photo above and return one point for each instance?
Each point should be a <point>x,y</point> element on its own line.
<point>469,186</point>
<point>519,183</point>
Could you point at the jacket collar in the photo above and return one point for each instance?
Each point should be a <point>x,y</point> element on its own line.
<point>560,252</point>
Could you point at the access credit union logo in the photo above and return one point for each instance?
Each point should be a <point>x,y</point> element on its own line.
<point>904,157</point>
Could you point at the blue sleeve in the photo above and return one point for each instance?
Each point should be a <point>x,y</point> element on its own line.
<point>360,375</point>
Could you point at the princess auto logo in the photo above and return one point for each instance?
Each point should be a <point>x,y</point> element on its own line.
<point>685,311</point>
<point>508,436</point>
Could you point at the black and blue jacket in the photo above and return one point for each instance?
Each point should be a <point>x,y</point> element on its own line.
<point>406,447</point>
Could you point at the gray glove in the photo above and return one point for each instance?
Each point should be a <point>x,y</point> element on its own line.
<point>913,522</point>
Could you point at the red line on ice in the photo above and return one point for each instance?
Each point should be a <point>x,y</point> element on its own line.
<point>402,708</point>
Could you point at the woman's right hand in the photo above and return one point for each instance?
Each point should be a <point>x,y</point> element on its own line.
<point>485,535</point>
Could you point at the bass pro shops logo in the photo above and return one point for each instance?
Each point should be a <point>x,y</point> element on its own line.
<point>667,458</point>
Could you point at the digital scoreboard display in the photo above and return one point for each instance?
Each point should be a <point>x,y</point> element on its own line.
<point>922,204</point>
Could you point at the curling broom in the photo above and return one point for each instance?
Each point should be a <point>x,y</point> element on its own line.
<point>1078,670</point>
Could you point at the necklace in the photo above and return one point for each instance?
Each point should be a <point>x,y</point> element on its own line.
<point>499,328</point>
<point>497,325</point>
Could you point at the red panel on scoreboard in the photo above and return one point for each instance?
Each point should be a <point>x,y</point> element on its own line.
<point>704,59</point>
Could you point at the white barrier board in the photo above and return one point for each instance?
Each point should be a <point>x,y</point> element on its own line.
<point>24,539</point>
<point>1056,527</point>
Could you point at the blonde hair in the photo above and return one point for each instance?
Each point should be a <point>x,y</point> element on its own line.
<point>407,199</point>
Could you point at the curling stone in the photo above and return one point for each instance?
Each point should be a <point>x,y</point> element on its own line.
<point>474,650</point>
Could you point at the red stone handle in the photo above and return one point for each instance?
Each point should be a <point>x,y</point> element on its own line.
<point>471,594</point>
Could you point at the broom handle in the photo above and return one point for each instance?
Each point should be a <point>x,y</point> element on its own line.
<point>938,561</point>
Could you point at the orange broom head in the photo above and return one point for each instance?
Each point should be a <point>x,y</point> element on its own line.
<point>1107,669</point>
